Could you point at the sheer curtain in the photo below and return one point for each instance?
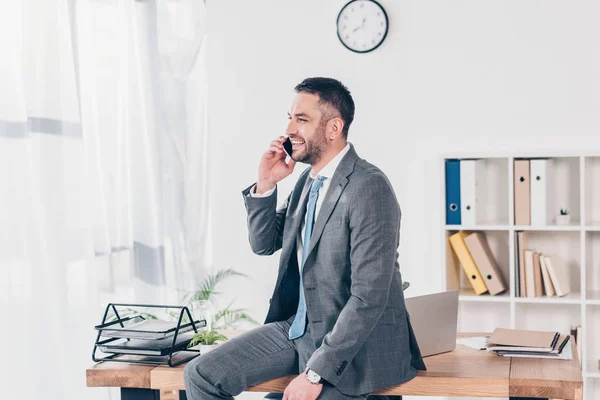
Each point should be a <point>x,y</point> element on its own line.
<point>103,175</point>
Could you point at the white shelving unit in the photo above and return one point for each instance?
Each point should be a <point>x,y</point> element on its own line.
<point>576,186</point>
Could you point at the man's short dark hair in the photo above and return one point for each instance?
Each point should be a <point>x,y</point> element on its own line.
<point>333,93</point>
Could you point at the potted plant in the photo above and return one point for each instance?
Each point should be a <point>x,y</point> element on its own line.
<point>563,218</point>
<point>208,340</point>
<point>203,304</point>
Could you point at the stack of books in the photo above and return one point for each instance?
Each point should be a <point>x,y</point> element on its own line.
<point>530,344</point>
<point>538,274</point>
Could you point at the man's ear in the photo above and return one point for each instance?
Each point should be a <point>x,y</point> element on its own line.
<point>335,128</point>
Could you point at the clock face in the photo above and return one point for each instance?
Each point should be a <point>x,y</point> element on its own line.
<point>362,25</point>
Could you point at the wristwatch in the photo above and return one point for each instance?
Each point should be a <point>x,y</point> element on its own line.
<point>313,377</point>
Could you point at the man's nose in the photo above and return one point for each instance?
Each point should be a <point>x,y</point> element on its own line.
<point>291,128</point>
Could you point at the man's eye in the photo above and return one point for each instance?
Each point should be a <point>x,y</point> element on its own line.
<point>302,120</point>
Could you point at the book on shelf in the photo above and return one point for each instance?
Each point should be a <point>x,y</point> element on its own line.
<point>548,285</point>
<point>529,273</point>
<point>537,275</point>
<point>521,244</point>
<point>558,275</point>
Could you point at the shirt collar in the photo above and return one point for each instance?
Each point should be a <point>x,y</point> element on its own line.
<point>329,169</point>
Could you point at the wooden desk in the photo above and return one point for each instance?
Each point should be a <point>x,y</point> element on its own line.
<point>463,372</point>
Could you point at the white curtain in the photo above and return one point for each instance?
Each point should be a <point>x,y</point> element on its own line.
<point>103,175</point>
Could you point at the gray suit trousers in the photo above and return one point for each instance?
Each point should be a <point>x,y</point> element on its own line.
<point>254,357</point>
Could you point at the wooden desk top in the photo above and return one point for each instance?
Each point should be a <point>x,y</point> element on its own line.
<point>463,372</point>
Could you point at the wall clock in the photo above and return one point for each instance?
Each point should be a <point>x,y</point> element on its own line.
<point>362,25</point>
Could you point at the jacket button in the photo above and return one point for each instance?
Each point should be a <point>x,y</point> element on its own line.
<point>338,372</point>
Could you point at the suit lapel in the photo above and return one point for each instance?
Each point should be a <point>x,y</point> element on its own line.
<point>299,210</point>
<point>337,185</point>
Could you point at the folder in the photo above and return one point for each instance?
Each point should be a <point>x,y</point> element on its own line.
<point>529,274</point>
<point>558,274</point>
<point>522,192</point>
<point>548,287</point>
<point>537,275</point>
<point>482,255</point>
<point>453,216</point>
<point>525,352</point>
<point>540,171</point>
<point>469,172</point>
<point>460,249</point>
<point>524,339</point>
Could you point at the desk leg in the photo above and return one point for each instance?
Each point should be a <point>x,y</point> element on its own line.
<point>139,394</point>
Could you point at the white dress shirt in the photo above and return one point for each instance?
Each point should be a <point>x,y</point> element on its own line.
<point>327,171</point>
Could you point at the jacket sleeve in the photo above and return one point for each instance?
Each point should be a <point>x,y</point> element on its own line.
<point>374,221</point>
<point>265,222</point>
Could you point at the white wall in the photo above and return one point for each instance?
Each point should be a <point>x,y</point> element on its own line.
<point>451,76</point>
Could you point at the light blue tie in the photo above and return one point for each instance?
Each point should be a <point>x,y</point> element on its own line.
<point>299,324</point>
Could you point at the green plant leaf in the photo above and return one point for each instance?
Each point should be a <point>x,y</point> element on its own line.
<point>230,318</point>
<point>208,288</point>
<point>206,337</point>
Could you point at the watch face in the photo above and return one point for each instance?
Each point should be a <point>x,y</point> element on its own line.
<point>362,25</point>
<point>313,377</point>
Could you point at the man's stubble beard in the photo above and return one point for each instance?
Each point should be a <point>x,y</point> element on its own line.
<point>315,147</point>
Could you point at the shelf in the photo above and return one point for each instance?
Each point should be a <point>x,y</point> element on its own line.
<point>477,228</point>
<point>469,295</point>
<point>592,226</point>
<point>592,297</point>
<point>574,226</point>
<point>571,298</point>
<point>573,182</point>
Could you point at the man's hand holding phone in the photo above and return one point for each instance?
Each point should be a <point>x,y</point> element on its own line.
<point>272,167</point>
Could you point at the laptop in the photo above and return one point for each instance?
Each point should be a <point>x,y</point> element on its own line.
<point>434,318</point>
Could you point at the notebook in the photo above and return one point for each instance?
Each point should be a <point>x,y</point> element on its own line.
<point>522,340</point>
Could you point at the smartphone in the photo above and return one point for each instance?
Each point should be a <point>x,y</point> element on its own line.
<point>287,146</point>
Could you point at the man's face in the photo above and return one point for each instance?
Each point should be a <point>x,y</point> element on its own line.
<point>306,129</point>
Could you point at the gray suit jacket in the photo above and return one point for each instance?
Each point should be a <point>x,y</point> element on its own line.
<point>352,281</point>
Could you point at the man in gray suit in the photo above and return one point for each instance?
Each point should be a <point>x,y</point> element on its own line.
<point>337,315</point>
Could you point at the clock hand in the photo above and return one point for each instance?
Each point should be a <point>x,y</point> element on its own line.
<point>361,25</point>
